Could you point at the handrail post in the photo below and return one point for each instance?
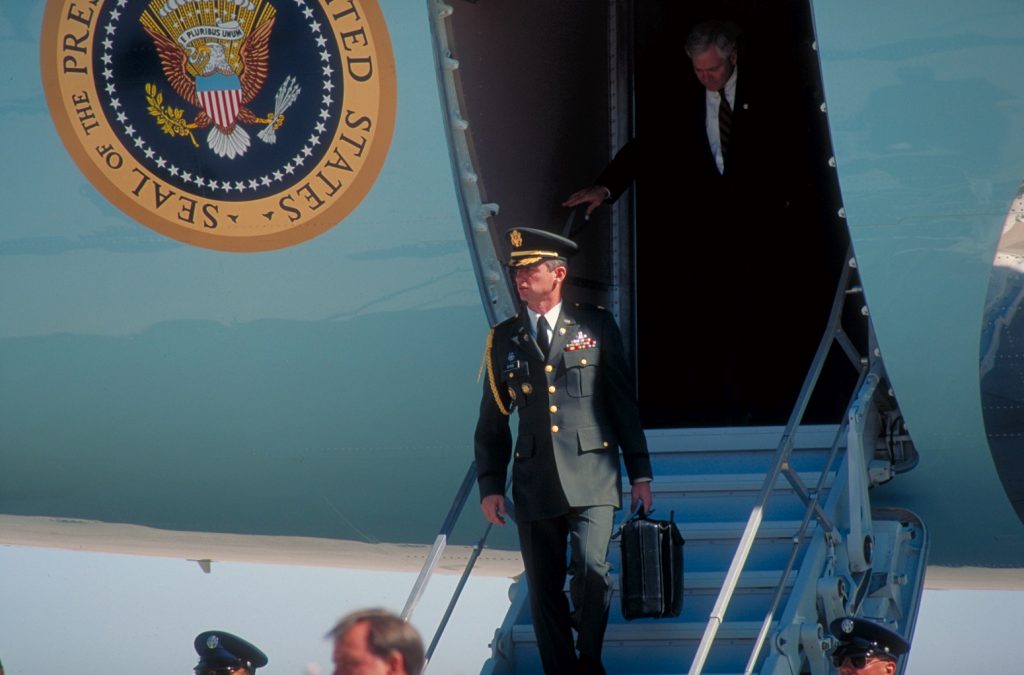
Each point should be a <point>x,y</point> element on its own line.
<point>440,542</point>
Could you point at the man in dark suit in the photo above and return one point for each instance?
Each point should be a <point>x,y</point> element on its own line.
<point>714,132</point>
<point>564,370</point>
<point>719,177</point>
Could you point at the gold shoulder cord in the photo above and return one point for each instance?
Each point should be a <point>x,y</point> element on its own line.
<point>490,373</point>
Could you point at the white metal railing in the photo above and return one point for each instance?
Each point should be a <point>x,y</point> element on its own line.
<point>834,333</point>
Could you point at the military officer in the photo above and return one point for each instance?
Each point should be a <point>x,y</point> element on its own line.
<point>866,647</point>
<point>564,370</point>
<point>222,653</point>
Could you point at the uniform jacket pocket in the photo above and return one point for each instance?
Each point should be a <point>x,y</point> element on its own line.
<point>595,438</point>
<point>581,371</point>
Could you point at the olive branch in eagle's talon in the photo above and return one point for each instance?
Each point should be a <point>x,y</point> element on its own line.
<point>171,120</point>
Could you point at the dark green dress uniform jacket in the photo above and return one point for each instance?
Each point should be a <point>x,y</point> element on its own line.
<point>576,410</point>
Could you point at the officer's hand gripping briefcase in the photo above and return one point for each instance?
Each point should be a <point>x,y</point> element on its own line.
<point>651,580</point>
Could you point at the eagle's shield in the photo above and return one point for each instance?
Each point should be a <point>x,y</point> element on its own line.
<point>221,97</point>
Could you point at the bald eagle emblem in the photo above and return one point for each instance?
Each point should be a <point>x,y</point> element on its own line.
<point>215,55</point>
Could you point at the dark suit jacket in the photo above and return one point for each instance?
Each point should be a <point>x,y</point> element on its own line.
<point>576,409</point>
<point>675,159</point>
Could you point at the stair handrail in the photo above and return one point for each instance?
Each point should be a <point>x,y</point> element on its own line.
<point>833,333</point>
<point>437,551</point>
<point>813,505</point>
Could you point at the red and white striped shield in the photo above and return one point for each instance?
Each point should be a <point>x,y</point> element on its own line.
<point>221,97</point>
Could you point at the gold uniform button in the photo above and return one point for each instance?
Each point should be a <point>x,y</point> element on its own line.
<point>553,408</point>
<point>511,376</point>
<point>554,429</point>
<point>561,331</point>
<point>605,444</point>
<point>583,362</point>
<point>548,368</point>
<point>551,389</point>
<point>518,455</point>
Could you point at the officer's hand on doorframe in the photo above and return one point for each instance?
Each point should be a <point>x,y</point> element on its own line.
<point>493,507</point>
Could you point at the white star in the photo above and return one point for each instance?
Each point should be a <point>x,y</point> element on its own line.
<point>139,142</point>
<point>278,175</point>
<point>226,186</point>
<point>328,70</point>
<point>307,151</point>
<point>298,160</point>
<point>308,13</point>
<point>106,58</point>
<point>253,183</point>
<point>111,89</point>
<point>328,85</point>
<point>130,130</point>
<point>122,3</point>
<point>115,15</point>
<point>289,169</point>
<point>187,177</point>
<point>173,170</point>
<point>324,56</point>
<point>320,127</point>
<point>111,28</point>
<point>315,25</point>
<point>108,43</point>
<point>200,181</point>
<point>108,73</point>
<point>115,103</point>
<point>313,140</point>
<point>160,161</point>
<point>327,100</point>
<point>121,117</point>
<point>149,153</point>
<point>324,114</point>
<point>239,185</point>
<point>265,180</point>
<point>321,41</point>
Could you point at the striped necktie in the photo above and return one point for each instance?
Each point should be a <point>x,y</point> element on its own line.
<point>724,124</point>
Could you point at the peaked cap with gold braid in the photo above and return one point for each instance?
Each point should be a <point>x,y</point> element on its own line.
<point>528,246</point>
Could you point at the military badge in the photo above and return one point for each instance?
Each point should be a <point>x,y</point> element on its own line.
<point>515,237</point>
<point>239,125</point>
<point>580,341</point>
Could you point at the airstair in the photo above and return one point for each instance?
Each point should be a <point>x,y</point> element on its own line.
<point>781,538</point>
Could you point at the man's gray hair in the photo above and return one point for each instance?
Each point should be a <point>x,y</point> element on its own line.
<point>388,634</point>
<point>721,35</point>
<point>554,263</point>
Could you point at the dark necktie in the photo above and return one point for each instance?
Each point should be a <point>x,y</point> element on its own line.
<point>724,124</point>
<point>542,335</point>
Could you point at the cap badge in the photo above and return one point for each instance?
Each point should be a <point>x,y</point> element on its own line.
<point>516,238</point>
<point>847,626</point>
<point>212,642</point>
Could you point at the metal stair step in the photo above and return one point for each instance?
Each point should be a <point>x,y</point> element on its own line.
<point>731,482</point>
<point>665,632</point>
<point>712,581</point>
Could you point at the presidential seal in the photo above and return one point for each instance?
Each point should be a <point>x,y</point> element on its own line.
<point>239,125</point>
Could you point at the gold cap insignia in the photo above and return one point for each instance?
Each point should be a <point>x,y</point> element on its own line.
<point>515,237</point>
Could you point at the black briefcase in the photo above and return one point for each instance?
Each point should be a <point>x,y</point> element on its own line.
<point>651,579</point>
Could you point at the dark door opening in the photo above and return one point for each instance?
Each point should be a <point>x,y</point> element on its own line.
<point>734,273</point>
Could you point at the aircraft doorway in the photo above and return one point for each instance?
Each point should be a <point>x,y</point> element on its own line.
<point>734,272</point>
